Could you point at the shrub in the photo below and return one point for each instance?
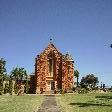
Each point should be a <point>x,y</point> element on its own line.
<point>82,91</point>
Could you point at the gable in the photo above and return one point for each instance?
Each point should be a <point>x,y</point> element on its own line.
<point>50,48</point>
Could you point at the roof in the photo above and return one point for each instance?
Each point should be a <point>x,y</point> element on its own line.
<point>50,47</point>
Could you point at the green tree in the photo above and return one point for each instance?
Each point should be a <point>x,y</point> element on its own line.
<point>22,74</point>
<point>10,86</point>
<point>89,80</point>
<point>15,74</point>
<point>19,74</point>
<point>76,74</point>
<point>2,74</point>
<point>16,88</point>
<point>6,89</point>
<point>26,87</point>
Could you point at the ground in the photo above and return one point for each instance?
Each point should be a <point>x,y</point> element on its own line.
<point>20,103</point>
<point>92,102</point>
<point>49,105</point>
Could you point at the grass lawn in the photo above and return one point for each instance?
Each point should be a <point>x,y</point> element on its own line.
<point>91,102</point>
<point>20,103</point>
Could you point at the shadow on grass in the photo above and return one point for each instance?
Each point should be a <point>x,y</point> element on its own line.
<point>104,97</point>
<point>90,104</point>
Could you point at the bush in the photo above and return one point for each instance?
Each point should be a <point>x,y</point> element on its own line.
<point>82,91</point>
<point>59,91</point>
<point>73,88</point>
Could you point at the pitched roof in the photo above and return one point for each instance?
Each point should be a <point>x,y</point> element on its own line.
<point>50,47</point>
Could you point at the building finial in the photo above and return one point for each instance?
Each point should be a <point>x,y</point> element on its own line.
<point>51,39</point>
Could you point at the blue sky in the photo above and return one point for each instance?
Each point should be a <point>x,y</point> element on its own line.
<point>82,27</point>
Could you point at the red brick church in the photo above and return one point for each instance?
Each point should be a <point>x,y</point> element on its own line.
<point>53,71</point>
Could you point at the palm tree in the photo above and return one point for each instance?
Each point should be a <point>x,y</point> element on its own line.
<point>76,74</point>
<point>18,74</point>
<point>22,74</point>
<point>15,74</point>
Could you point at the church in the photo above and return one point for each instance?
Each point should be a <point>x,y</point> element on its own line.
<point>53,71</point>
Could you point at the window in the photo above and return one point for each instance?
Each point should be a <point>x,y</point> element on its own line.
<point>51,66</point>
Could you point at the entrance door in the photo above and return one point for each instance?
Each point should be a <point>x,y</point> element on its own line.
<point>52,86</point>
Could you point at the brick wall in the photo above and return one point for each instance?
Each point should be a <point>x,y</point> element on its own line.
<point>63,70</point>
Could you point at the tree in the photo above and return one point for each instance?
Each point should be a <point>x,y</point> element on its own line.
<point>76,74</point>
<point>2,74</point>
<point>10,86</point>
<point>16,88</point>
<point>26,87</point>
<point>15,74</point>
<point>89,80</point>
<point>19,74</point>
<point>6,89</point>
<point>22,74</point>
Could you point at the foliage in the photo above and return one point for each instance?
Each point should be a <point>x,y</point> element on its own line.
<point>6,89</point>
<point>2,74</point>
<point>76,74</point>
<point>6,77</point>
<point>1,86</point>
<point>89,81</point>
<point>19,74</point>
<point>73,88</point>
<point>10,86</point>
<point>82,91</point>
<point>16,88</point>
<point>26,87</point>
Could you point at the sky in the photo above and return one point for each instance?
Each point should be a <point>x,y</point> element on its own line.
<point>82,27</point>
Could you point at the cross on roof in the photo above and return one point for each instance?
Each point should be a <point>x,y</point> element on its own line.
<point>111,45</point>
<point>51,40</point>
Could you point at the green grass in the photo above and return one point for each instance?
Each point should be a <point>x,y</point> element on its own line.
<point>92,102</point>
<point>20,103</point>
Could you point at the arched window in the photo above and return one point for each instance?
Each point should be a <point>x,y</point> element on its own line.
<point>51,63</point>
<point>51,66</point>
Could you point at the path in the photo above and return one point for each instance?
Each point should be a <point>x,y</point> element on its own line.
<point>49,105</point>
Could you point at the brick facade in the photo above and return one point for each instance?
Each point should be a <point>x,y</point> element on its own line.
<point>53,71</point>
